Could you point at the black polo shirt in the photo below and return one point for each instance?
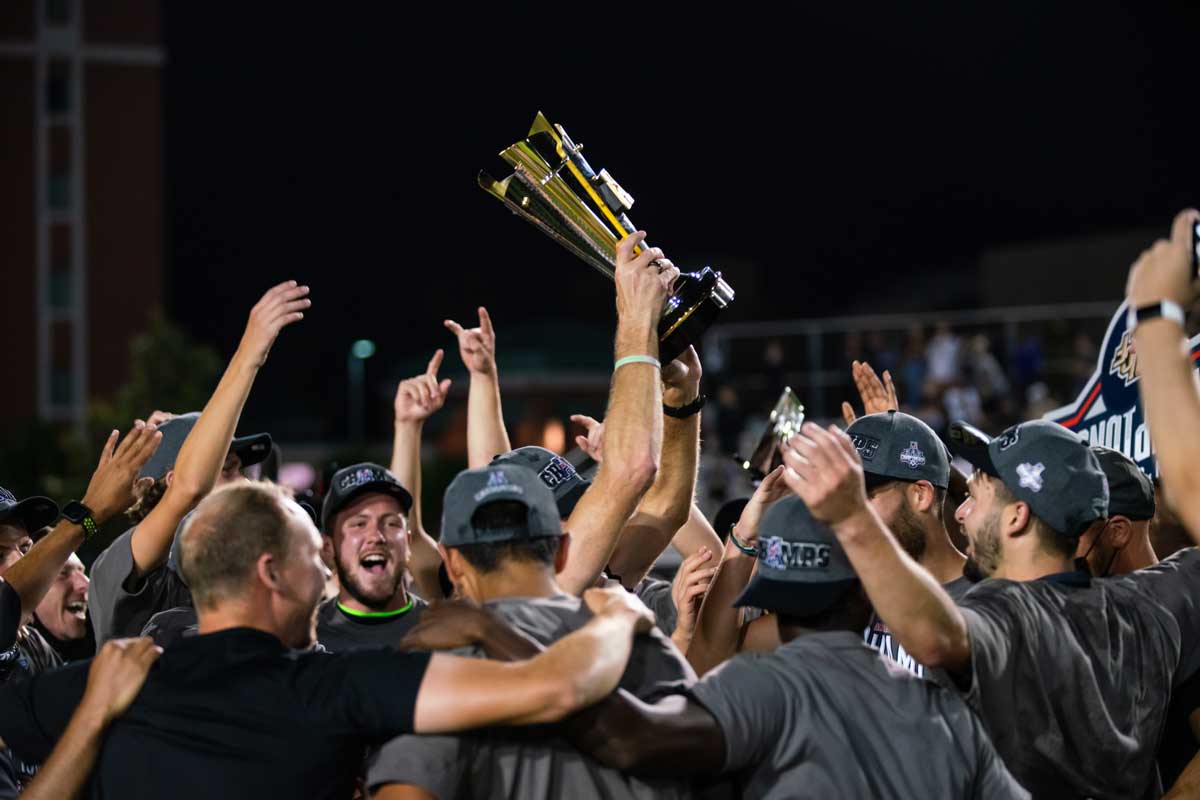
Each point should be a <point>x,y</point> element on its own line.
<point>232,714</point>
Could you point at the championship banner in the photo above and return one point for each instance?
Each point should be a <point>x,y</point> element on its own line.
<point>1108,412</point>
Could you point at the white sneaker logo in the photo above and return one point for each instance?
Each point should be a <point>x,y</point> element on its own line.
<point>1031,476</point>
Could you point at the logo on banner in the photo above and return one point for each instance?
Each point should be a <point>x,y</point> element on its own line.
<point>1108,411</point>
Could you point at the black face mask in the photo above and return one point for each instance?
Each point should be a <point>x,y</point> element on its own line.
<point>1082,565</point>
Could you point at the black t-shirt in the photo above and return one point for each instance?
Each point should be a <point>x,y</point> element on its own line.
<point>338,631</point>
<point>231,714</point>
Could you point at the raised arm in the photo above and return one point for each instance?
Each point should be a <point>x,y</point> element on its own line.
<point>578,670</point>
<point>1168,383</point>
<point>719,628</point>
<point>486,435</point>
<point>824,469</point>
<point>416,400</point>
<point>108,494</point>
<point>203,452</point>
<point>666,506</point>
<point>633,422</point>
<point>115,677</point>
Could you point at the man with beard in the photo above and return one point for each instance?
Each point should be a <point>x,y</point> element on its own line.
<point>235,712</point>
<point>364,521</point>
<point>1071,676</point>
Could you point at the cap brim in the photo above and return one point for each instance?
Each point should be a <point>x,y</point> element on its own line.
<point>252,449</point>
<point>970,443</point>
<point>794,598</point>
<point>32,513</point>
<point>377,487</point>
<point>566,503</point>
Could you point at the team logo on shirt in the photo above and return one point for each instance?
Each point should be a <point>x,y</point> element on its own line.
<point>867,446</point>
<point>557,472</point>
<point>1030,476</point>
<point>779,554</point>
<point>912,456</point>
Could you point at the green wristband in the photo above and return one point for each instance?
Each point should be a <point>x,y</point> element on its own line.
<point>651,360</point>
<point>739,544</point>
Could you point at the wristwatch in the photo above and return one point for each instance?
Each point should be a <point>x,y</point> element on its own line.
<point>1167,309</point>
<point>81,515</point>
<point>683,412</point>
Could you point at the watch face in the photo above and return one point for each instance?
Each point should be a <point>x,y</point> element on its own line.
<point>75,511</point>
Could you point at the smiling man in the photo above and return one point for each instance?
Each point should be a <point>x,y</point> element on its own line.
<point>364,521</point>
<point>62,615</point>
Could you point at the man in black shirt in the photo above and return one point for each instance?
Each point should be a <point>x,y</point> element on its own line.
<point>241,715</point>
<point>364,518</point>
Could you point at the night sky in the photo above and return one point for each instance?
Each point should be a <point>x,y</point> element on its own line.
<point>810,152</point>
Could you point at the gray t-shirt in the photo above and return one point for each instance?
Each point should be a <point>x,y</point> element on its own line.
<point>826,716</point>
<point>656,594</point>
<point>338,631</point>
<point>878,636</point>
<point>530,762</point>
<point>121,602</point>
<point>1175,583</point>
<point>1071,677</point>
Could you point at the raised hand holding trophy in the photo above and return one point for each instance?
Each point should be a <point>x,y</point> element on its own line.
<point>585,212</point>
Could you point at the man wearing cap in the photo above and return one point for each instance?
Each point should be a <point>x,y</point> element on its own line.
<point>364,522</point>
<point>822,715</point>
<point>1070,675</point>
<point>907,472</point>
<point>235,712</point>
<point>134,578</point>
<point>503,542</point>
<point>1122,544</point>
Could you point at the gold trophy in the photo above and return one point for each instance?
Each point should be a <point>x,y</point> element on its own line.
<point>556,190</point>
<point>786,418</point>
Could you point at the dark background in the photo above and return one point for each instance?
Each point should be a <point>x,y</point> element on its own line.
<point>816,154</point>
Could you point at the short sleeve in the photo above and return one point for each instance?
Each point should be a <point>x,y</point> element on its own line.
<point>35,711</point>
<point>120,601</point>
<point>1175,584</point>
<point>992,634</point>
<point>10,615</point>
<point>430,762</point>
<point>656,594</point>
<point>749,708</point>
<point>372,692</point>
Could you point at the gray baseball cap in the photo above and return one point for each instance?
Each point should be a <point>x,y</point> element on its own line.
<point>352,482</point>
<point>250,449</point>
<point>802,568</point>
<point>898,446</point>
<point>474,488</point>
<point>1130,491</point>
<point>554,470</point>
<point>1044,464</point>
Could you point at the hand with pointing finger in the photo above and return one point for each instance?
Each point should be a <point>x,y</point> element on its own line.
<point>417,398</point>
<point>593,443</point>
<point>476,346</point>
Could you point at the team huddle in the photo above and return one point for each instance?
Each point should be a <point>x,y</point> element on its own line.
<point>873,621</point>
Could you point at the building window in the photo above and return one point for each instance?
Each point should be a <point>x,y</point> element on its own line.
<point>60,190</point>
<point>58,12</point>
<point>58,87</point>
<point>60,287</point>
<point>62,387</point>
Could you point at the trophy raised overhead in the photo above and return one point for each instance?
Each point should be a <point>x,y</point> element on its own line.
<point>553,187</point>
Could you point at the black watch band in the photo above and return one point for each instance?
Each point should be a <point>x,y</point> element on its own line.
<point>683,412</point>
<point>81,515</point>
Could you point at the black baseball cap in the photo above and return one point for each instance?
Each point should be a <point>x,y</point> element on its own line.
<point>352,482</point>
<point>1130,492</point>
<point>802,568</point>
<point>31,513</point>
<point>895,446</point>
<point>1043,464</point>
<point>555,471</point>
<point>474,488</point>
<point>250,449</point>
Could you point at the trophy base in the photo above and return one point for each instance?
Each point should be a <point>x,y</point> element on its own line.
<point>694,307</point>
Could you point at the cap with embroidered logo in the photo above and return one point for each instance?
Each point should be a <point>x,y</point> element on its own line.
<point>802,568</point>
<point>474,488</point>
<point>554,470</point>
<point>354,481</point>
<point>895,446</point>
<point>1043,464</point>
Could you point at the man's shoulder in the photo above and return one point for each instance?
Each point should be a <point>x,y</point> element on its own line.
<point>545,618</point>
